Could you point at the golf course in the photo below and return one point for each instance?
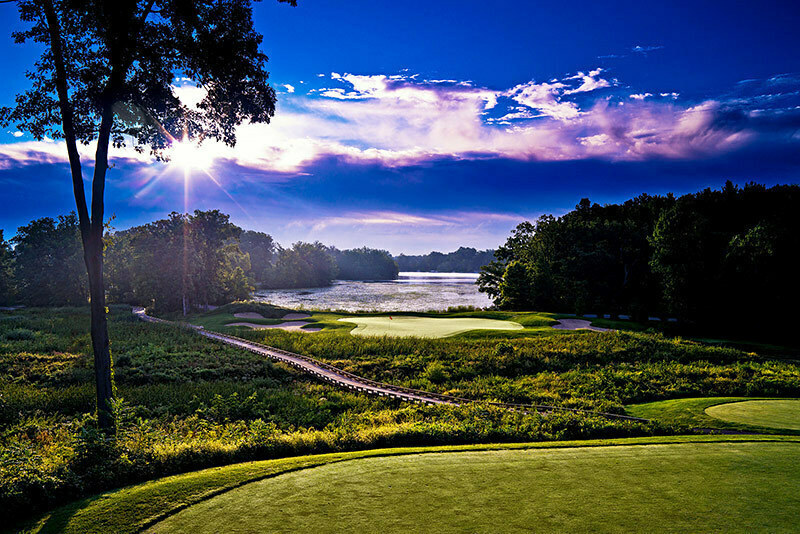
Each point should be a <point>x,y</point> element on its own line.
<point>675,484</point>
<point>781,414</point>
<point>599,489</point>
<point>430,327</point>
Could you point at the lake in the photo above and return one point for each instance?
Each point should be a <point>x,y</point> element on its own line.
<point>410,292</point>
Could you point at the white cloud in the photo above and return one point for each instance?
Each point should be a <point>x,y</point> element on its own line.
<point>644,49</point>
<point>545,98</point>
<point>401,119</point>
<point>589,82</point>
<point>289,87</point>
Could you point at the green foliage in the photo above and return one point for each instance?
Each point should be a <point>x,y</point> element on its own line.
<point>191,403</point>
<point>262,250</point>
<point>364,264</point>
<point>131,56</point>
<point>708,259</point>
<point>19,334</point>
<point>516,289</point>
<point>463,260</point>
<point>7,282</point>
<point>303,265</point>
<point>206,263</point>
<point>48,262</point>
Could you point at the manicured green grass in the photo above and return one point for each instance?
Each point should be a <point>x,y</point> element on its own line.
<point>776,413</point>
<point>134,508</point>
<point>536,324</point>
<point>662,488</point>
<point>696,412</point>
<point>405,326</point>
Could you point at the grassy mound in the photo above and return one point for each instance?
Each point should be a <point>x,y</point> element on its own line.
<point>430,327</point>
<point>134,508</point>
<point>744,414</point>
<point>775,413</point>
<point>626,488</point>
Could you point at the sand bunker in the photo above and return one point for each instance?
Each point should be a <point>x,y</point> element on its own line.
<point>577,324</point>
<point>294,326</point>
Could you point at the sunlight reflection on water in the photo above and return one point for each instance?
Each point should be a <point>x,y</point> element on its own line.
<point>410,292</point>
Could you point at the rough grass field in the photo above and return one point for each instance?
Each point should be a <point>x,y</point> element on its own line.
<point>430,327</point>
<point>662,488</point>
<point>774,413</point>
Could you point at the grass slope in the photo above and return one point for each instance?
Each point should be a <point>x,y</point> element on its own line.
<point>776,413</point>
<point>625,488</point>
<point>431,327</point>
<point>694,412</point>
<point>134,508</point>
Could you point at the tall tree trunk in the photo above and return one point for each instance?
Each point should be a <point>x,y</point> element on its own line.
<point>91,228</point>
<point>93,256</point>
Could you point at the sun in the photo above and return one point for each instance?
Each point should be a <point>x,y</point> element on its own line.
<point>190,156</point>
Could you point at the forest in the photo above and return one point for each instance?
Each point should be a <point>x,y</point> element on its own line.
<point>182,262</point>
<point>463,260</point>
<point>713,259</point>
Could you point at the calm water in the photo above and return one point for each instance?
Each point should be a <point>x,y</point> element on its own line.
<point>410,292</point>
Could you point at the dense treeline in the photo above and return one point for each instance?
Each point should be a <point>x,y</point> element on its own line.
<point>463,260</point>
<point>365,264</point>
<point>714,258</point>
<point>182,262</point>
<point>7,288</point>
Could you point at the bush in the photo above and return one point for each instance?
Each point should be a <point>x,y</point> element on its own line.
<point>19,334</point>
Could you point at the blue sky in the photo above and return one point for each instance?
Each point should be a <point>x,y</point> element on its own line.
<point>429,125</point>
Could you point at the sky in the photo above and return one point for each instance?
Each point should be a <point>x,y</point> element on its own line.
<point>416,126</point>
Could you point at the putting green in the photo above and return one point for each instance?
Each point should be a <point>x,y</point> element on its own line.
<point>404,326</point>
<point>690,487</point>
<point>783,413</point>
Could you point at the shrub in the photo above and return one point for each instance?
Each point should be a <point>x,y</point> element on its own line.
<point>19,334</point>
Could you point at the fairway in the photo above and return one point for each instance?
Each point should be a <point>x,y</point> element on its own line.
<point>783,413</point>
<point>691,487</point>
<point>405,326</point>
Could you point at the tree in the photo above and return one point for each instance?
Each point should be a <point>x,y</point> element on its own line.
<point>364,264</point>
<point>106,76</point>
<point>48,262</point>
<point>303,265</point>
<point>515,288</point>
<point>7,289</point>
<point>262,250</point>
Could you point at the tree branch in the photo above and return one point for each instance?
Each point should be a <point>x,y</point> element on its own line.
<point>67,118</point>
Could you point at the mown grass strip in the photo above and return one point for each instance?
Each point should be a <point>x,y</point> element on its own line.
<point>135,508</point>
<point>692,413</point>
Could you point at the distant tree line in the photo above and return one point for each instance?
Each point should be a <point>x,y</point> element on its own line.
<point>463,260</point>
<point>182,262</point>
<point>364,264</point>
<point>723,258</point>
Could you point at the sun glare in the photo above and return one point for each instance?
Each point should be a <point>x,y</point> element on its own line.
<point>190,156</point>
